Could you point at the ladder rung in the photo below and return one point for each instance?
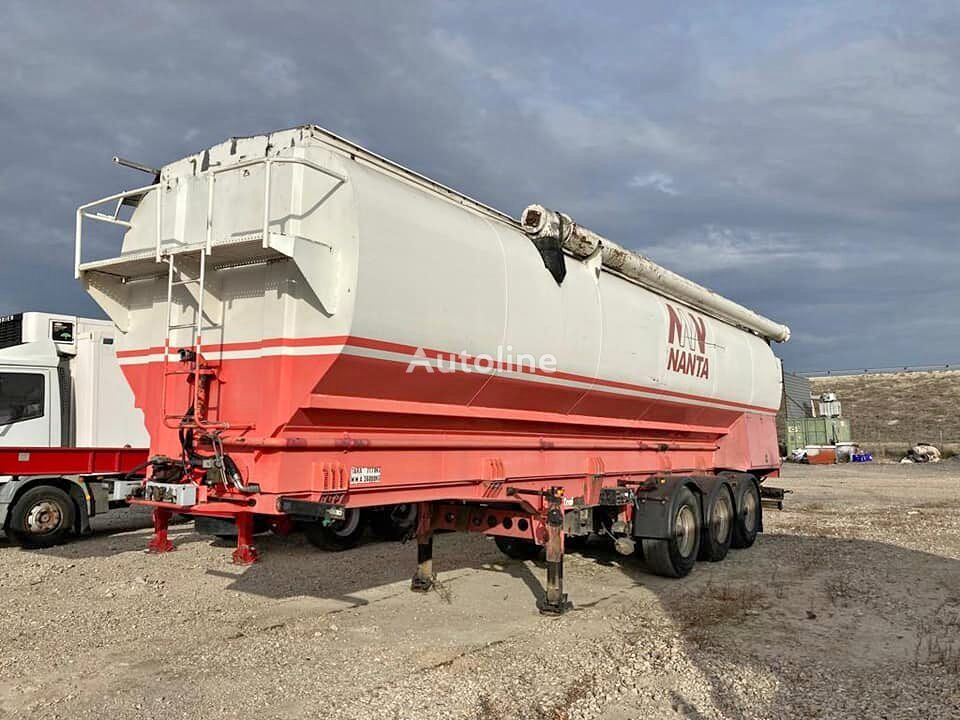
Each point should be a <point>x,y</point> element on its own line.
<point>181,326</point>
<point>178,283</point>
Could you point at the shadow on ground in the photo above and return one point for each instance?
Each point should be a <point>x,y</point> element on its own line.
<point>788,608</point>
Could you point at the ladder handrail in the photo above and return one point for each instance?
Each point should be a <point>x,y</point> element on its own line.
<point>197,327</point>
<point>166,338</point>
<point>198,331</point>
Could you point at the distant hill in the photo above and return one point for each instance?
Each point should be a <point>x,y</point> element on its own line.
<point>894,410</point>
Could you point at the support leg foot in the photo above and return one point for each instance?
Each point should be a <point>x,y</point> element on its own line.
<point>246,553</point>
<point>160,543</point>
<point>555,601</point>
<point>421,585</point>
<point>424,578</point>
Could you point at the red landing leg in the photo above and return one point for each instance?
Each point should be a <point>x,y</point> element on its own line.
<point>160,543</point>
<point>424,579</point>
<point>246,553</point>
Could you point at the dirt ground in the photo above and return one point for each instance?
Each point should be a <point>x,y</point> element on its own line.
<point>848,606</point>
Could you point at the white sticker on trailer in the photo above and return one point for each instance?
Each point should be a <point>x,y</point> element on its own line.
<point>364,475</point>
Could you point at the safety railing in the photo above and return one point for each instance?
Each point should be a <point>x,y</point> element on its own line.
<point>84,212</point>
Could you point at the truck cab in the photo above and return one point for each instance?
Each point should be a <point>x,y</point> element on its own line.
<point>64,407</point>
<point>30,409</point>
<point>61,386</point>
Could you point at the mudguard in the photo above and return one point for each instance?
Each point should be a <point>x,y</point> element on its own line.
<point>653,508</point>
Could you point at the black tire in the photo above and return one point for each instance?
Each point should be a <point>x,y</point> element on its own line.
<point>393,522</point>
<point>717,533</point>
<point>574,543</point>
<point>42,517</point>
<point>676,556</point>
<point>226,528</point>
<point>339,535</point>
<point>516,548</point>
<point>749,515</point>
<point>221,528</point>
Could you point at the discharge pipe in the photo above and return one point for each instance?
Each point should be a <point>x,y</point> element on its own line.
<point>540,223</point>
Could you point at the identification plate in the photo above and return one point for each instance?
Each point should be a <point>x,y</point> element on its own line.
<point>364,475</point>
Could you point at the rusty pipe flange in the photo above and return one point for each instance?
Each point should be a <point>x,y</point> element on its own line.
<point>539,222</point>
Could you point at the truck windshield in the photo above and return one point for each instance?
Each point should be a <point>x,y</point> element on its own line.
<point>21,397</point>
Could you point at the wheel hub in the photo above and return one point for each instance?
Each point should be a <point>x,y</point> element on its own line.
<point>749,510</point>
<point>722,512</point>
<point>44,517</point>
<point>685,529</point>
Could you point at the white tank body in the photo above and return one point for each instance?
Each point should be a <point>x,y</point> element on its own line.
<point>364,258</point>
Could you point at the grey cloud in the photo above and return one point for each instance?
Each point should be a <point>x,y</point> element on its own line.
<point>800,157</point>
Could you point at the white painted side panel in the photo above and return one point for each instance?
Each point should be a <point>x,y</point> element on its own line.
<point>430,274</point>
<point>104,411</point>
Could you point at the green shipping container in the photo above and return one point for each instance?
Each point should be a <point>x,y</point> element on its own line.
<point>816,431</point>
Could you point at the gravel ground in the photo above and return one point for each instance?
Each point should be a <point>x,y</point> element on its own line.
<point>848,606</point>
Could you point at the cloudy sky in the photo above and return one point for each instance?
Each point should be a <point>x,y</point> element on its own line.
<point>802,158</point>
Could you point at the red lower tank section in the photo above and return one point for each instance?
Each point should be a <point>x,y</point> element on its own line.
<point>326,419</point>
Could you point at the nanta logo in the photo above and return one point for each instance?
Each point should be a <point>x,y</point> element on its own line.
<point>687,343</point>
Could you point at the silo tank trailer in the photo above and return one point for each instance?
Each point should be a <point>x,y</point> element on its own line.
<point>311,329</point>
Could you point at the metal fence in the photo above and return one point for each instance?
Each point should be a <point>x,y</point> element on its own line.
<point>879,370</point>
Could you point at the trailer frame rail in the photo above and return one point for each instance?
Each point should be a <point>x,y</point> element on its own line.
<point>30,461</point>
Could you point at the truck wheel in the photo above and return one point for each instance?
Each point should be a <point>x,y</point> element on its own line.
<point>339,535</point>
<point>746,523</point>
<point>42,517</point>
<point>676,556</point>
<point>516,548</point>
<point>393,522</point>
<point>718,530</point>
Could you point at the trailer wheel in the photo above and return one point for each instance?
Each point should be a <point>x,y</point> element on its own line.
<point>339,535</point>
<point>42,517</point>
<point>225,528</point>
<point>718,530</point>
<point>516,548</point>
<point>676,556</point>
<point>574,543</point>
<point>746,524</point>
<point>393,522</point>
